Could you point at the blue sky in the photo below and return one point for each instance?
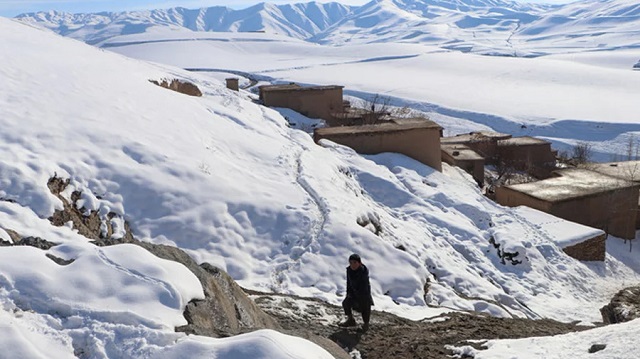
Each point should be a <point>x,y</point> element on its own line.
<point>14,7</point>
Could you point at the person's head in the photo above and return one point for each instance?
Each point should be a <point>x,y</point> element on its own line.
<point>354,261</point>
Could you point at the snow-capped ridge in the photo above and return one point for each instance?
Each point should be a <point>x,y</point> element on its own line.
<point>491,27</point>
<point>295,20</point>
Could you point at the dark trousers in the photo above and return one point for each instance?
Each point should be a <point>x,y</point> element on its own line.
<point>349,304</point>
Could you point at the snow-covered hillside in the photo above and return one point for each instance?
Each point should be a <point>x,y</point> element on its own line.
<point>231,183</point>
<point>495,27</point>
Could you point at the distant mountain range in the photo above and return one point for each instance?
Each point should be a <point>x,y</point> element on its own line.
<point>296,20</point>
<point>496,27</point>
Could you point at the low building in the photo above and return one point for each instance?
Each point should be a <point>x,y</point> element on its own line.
<point>627,170</point>
<point>464,157</point>
<point>313,101</point>
<point>527,153</point>
<point>582,196</point>
<point>485,143</point>
<point>418,138</point>
<point>233,83</point>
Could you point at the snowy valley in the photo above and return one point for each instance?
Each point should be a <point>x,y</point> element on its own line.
<point>234,184</point>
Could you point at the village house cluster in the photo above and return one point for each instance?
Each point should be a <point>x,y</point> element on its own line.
<point>603,196</point>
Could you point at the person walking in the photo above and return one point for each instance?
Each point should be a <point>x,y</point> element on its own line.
<point>358,293</point>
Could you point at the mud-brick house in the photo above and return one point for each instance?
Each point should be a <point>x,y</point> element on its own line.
<point>312,101</point>
<point>418,138</point>
<point>582,196</point>
<point>485,143</point>
<point>526,152</point>
<point>627,170</point>
<point>464,157</point>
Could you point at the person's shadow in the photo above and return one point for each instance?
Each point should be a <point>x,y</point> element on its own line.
<point>347,338</point>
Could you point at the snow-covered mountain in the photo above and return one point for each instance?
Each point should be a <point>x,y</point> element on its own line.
<point>295,20</point>
<point>494,27</point>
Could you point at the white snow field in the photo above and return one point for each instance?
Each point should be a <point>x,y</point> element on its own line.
<point>229,182</point>
<point>565,98</point>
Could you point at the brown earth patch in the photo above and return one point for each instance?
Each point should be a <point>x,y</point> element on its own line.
<point>390,336</point>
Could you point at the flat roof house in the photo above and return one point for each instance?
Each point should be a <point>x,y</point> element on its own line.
<point>418,138</point>
<point>527,153</point>
<point>312,101</point>
<point>627,170</point>
<point>485,143</point>
<point>582,196</point>
<point>464,157</point>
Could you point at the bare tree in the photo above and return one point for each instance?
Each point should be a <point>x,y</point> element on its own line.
<point>632,148</point>
<point>378,107</point>
<point>581,153</point>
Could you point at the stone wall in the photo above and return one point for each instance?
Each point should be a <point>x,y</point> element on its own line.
<point>593,249</point>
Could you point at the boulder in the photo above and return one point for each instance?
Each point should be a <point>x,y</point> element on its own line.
<point>624,307</point>
<point>226,309</point>
<point>184,87</point>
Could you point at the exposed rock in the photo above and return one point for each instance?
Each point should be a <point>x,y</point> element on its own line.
<point>226,309</point>
<point>89,225</point>
<point>184,87</point>
<point>624,306</point>
<point>36,242</point>
<point>15,237</point>
<point>60,261</point>
<point>596,348</point>
<point>26,241</point>
<point>504,255</point>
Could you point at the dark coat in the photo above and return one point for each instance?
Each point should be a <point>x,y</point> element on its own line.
<point>358,286</point>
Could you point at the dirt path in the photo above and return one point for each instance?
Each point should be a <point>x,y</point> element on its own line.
<point>394,337</point>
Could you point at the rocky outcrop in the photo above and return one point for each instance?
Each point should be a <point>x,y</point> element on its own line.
<point>88,224</point>
<point>624,306</point>
<point>184,87</point>
<point>226,309</point>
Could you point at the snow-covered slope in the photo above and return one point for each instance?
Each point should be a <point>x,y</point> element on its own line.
<point>295,20</point>
<point>230,182</point>
<point>94,118</point>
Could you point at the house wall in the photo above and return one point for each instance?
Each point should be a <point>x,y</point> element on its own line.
<point>487,148</point>
<point>233,84</point>
<point>474,167</point>
<point>593,249</point>
<point>528,156</point>
<point>512,198</point>
<point>613,211</point>
<point>313,103</point>
<point>421,144</point>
